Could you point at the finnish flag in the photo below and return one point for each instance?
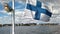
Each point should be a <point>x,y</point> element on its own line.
<point>40,13</point>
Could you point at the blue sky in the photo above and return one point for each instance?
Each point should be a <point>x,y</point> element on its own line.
<point>20,6</point>
<point>1,6</point>
<point>17,4</point>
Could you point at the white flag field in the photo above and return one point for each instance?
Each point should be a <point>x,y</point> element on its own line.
<point>41,10</point>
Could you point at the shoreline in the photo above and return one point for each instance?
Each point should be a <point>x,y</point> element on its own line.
<point>30,24</point>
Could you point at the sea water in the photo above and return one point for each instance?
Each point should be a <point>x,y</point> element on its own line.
<point>30,30</point>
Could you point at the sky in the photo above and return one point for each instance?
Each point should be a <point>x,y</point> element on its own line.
<point>6,18</point>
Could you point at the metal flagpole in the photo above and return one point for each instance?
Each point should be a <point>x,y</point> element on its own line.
<point>13,16</point>
<point>13,22</point>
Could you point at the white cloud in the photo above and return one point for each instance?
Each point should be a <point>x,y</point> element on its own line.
<point>21,0</point>
<point>56,2</point>
<point>5,20</point>
<point>22,17</point>
<point>28,19</point>
<point>4,1</point>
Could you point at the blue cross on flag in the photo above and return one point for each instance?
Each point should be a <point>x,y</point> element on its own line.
<point>40,13</point>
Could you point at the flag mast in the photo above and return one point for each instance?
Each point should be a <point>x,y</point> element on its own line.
<point>13,22</point>
<point>13,16</point>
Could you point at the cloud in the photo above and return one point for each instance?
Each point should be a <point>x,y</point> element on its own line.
<point>5,20</point>
<point>21,0</point>
<point>4,1</point>
<point>22,17</point>
<point>28,19</point>
<point>51,1</point>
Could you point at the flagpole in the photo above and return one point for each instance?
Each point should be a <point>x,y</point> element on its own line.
<point>13,22</point>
